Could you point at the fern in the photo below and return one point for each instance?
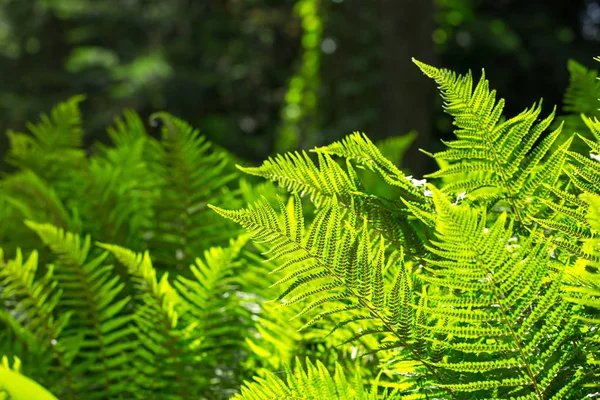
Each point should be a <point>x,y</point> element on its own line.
<point>493,160</point>
<point>94,297</point>
<point>314,382</point>
<point>191,174</point>
<point>37,299</point>
<point>340,271</point>
<point>327,180</point>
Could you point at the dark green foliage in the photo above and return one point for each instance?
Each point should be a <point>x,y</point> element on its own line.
<point>140,191</point>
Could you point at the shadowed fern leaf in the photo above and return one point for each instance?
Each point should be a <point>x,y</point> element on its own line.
<point>191,174</point>
<point>93,294</point>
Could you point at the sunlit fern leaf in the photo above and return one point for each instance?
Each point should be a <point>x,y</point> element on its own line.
<point>359,148</point>
<point>191,174</point>
<point>94,296</point>
<point>298,174</point>
<point>337,270</point>
<point>309,382</point>
<point>278,336</point>
<point>37,300</point>
<point>494,160</point>
<point>15,386</point>
<point>496,309</point>
<point>583,287</point>
<point>569,220</point>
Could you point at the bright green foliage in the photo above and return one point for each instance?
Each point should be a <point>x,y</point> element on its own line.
<point>190,174</point>
<point>36,301</point>
<point>494,160</point>
<point>93,295</point>
<point>479,302</point>
<point>94,337</point>
<point>327,180</point>
<point>314,382</point>
<point>581,100</point>
<point>14,386</point>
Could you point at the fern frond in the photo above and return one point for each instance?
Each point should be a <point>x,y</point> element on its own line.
<point>94,296</point>
<point>191,173</point>
<point>516,337</point>
<point>159,354</point>
<point>359,148</point>
<point>215,310</point>
<point>298,174</point>
<point>122,188</point>
<point>37,300</point>
<point>52,144</point>
<point>335,270</point>
<point>499,156</point>
<point>314,382</point>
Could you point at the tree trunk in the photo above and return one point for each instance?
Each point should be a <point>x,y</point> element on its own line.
<point>408,96</point>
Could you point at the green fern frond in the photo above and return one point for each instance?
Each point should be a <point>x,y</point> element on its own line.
<point>158,355</point>
<point>314,382</point>
<point>507,335</point>
<point>494,159</point>
<point>119,200</point>
<point>191,173</point>
<point>580,102</point>
<point>189,331</point>
<point>94,296</point>
<point>37,300</point>
<point>52,144</point>
<point>219,319</point>
<point>359,148</point>
<point>298,174</point>
<point>334,270</point>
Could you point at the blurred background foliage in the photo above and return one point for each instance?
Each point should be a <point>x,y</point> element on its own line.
<point>259,76</point>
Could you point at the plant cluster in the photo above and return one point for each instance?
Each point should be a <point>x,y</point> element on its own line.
<point>478,281</point>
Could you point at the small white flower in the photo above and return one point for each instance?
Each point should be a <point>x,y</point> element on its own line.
<point>428,193</point>
<point>595,157</point>
<point>417,182</point>
<point>460,197</point>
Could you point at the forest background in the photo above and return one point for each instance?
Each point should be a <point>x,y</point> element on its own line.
<point>261,76</point>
